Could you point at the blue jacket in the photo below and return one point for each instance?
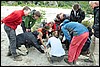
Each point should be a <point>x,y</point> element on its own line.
<point>73,28</point>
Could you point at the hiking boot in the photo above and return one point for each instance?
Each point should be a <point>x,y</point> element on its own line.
<point>42,51</point>
<point>9,54</point>
<point>74,62</point>
<point>17,58</point>
<point>88,60</point>
<point>70,63</point>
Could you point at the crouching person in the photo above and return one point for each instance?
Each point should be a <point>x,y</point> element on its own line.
<point>80,35</point>
<point>56,52</point>
<point>29,39</point>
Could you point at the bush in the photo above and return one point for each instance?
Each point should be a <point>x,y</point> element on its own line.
<point>87,23</point>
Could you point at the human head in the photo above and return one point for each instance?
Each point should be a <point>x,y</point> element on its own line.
<point>51,23</point>
<point>94,4</point>
<point>37,14</point>
<point>46,28</point>
<point>27,10</point>
<point>76,7</point>
<point>63,16</point>
<point>55,33</point>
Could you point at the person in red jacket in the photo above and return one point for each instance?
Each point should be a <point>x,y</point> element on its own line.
<point>11,22</point>
<point>52,26</point>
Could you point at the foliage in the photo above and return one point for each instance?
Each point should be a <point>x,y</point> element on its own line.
<point>88,23</point>
<point>61,4</point>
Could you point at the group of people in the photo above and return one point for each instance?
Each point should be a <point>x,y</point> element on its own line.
<point>69,27</point>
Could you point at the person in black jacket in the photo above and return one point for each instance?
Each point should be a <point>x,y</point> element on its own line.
<point>77,14</point>
<point>29,39</point>
<point>94,48</point>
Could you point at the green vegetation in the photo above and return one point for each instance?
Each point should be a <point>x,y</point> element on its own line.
<point>48,4</point>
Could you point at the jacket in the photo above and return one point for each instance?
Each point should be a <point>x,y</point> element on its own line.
<point>26,38</point>
<point>73,28</point>
<point>29,20</point>
<point>96,22</point>
<point>80,15</point>
<point>14,19</point>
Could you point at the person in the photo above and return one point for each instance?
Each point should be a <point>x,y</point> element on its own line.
<point>52,26</point>
<point>77,14</point>
<point>29,39</point>
<point>44,32</point>
<point>29,21</point>
<point>11,22</point>
<point>80,35</point>
<point>56,52</point>
<point>59,19</point>
<point>94,48</point>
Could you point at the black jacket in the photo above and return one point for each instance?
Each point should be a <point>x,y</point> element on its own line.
<point>96,22</point>
<point>28,39</point>
<point>80,15</point>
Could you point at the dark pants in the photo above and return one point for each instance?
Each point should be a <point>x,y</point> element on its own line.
<point>12,39</point>
<point>54,58</point>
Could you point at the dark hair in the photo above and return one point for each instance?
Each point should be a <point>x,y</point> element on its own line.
<point>53,34</point>
<point>26,8</point>
<point>35,33</point>
<point>58,17</point>
<point>76,6</point>
<point>46,27</point>
<point>37,13</point>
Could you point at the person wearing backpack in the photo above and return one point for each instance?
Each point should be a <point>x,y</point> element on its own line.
<point>29,21</point>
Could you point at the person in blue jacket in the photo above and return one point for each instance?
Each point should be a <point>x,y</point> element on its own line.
<point>79,35</point>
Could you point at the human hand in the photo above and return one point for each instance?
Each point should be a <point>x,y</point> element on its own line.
<point>28,30</point>
<point>44,46</point>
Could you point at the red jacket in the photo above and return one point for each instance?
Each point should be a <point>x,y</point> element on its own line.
<point>14,19</point>
<point>53,27</point>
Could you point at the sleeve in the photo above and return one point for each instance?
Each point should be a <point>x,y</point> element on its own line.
<point>54,27</point>
<point>97,17</point>
<point>64,22</point>
<point>13,17</point>
<point>66,33</point>
<point>27,19</point>
<point>82,16</point>
<point>71,15</point>
<point>96,22</point>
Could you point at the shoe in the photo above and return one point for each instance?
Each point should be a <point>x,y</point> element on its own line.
<point>42,51</point>
<point>74,62</point>
<point>49,60</point>
<point>70,63</point>
<point>9,54</point>
<point>17,58</point>
<point>88,60</point>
